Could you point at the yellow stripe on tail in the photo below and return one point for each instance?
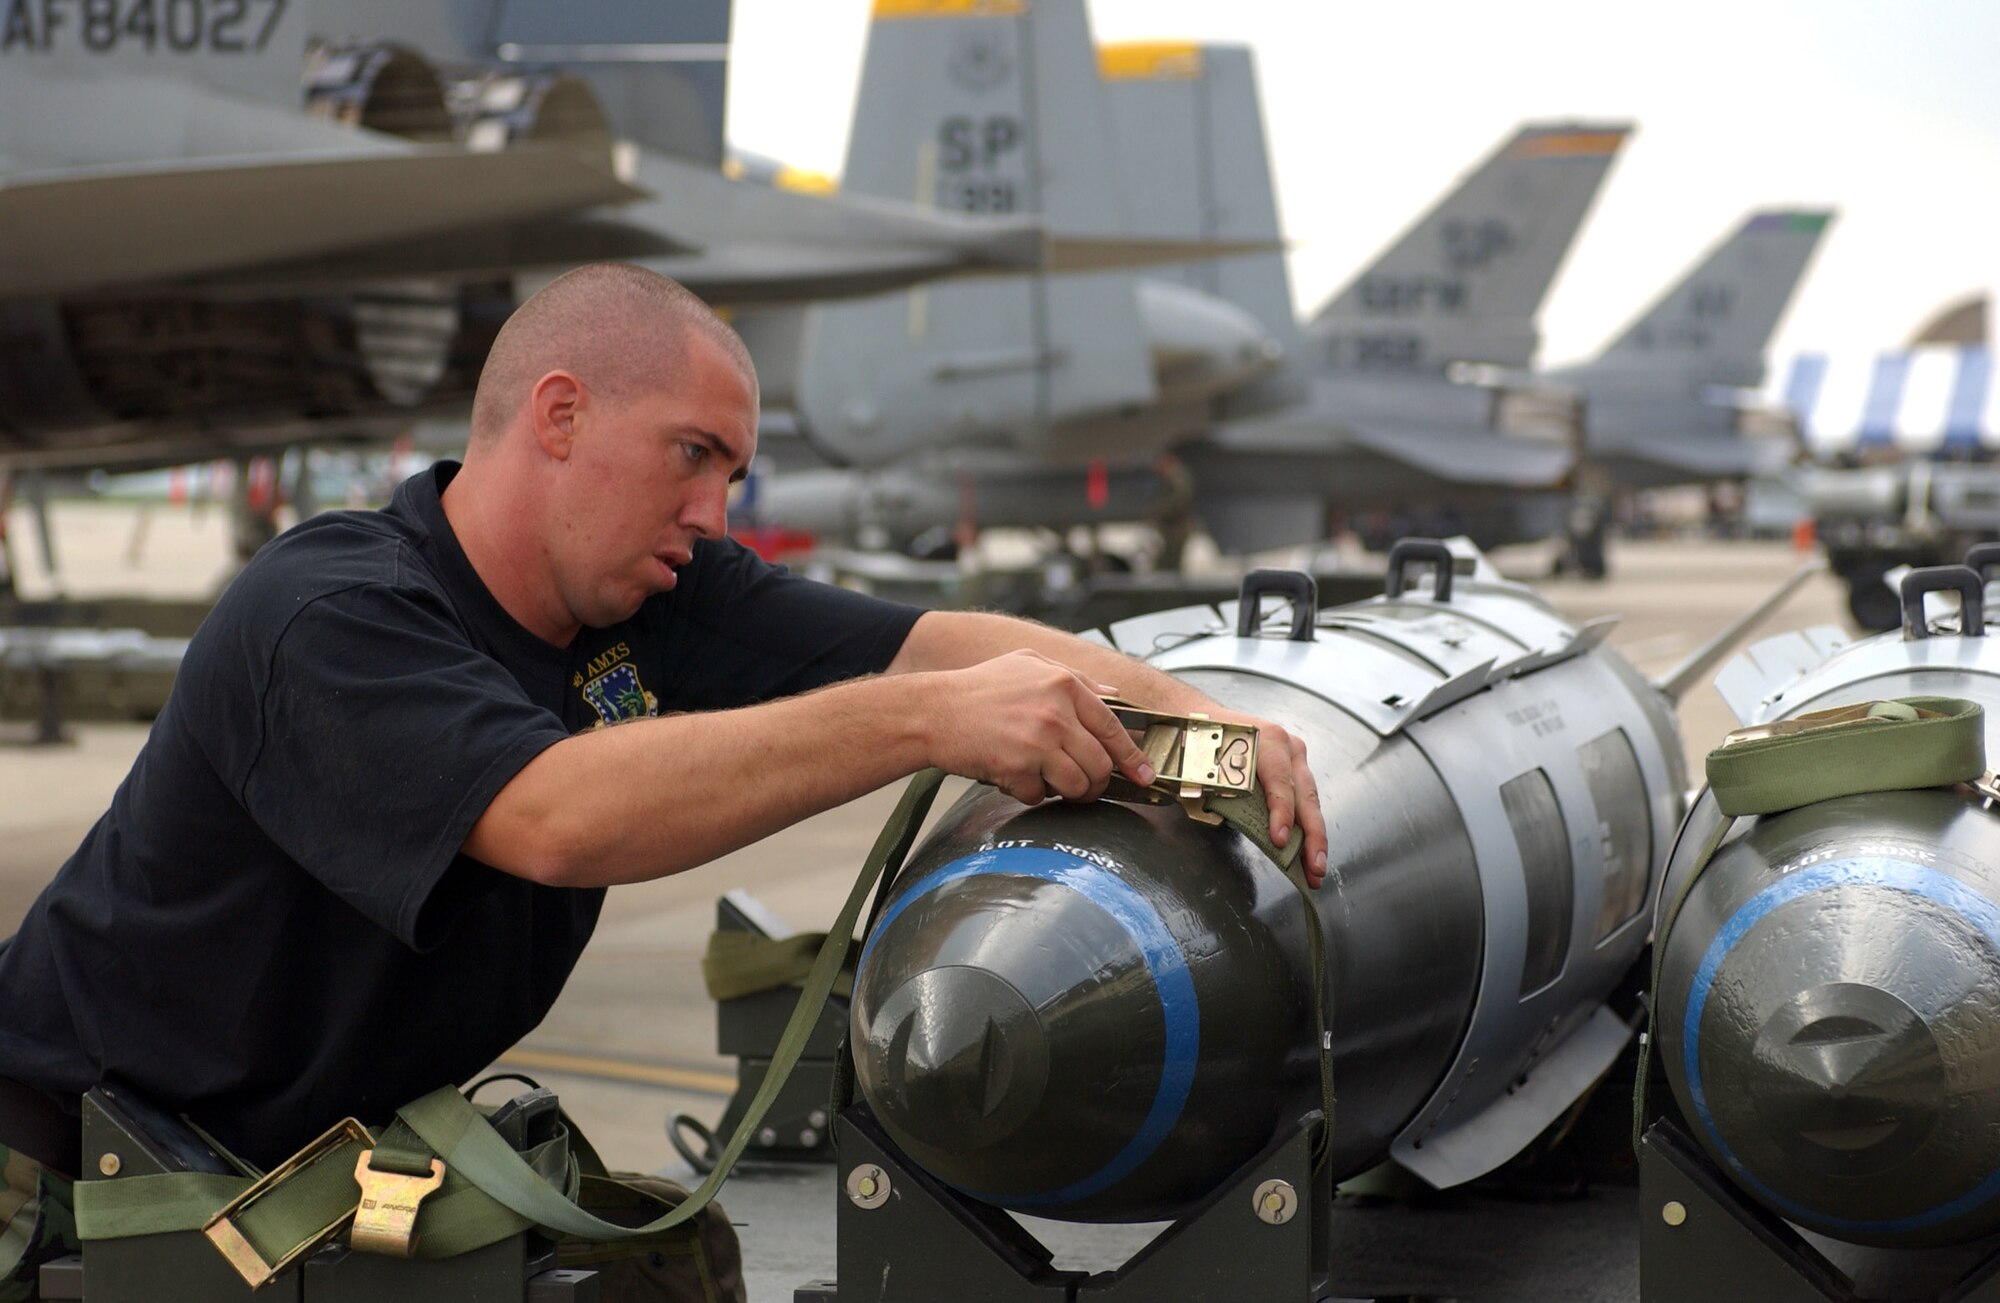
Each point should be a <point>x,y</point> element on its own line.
<point>1149,61</point>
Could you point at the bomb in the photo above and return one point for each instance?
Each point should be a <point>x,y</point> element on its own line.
<point>1099,1012</point>
<point>1829,991</point>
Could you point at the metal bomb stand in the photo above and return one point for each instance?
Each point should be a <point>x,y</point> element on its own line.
<point>1264,1235</point>
<point>749,1027</point>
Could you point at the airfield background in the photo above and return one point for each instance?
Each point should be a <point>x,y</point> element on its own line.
<point>1888,112</point>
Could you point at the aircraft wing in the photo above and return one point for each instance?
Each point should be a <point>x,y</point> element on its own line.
<point>470,253</point>
<point>1441,436</point>
<point>148,445</point>
<point>732,242</point>
<point>750,273</point>
<point>1697,457</point>
<point>755,243</point>
<point>74,231</point>
<point>1466,457</point>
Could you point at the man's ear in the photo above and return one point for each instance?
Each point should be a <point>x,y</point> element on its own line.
<point>557,403</point>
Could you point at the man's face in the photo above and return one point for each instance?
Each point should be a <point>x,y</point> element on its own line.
<point>649,473</point>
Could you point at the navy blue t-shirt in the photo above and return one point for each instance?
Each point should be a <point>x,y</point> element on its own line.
<point>272,927</point>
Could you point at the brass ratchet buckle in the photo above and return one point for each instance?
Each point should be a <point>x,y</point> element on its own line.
<point>1193,758</point>
<point>386,1221</point>
<point>222,1230</point>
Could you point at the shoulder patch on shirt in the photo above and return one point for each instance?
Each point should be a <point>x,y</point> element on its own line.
<point>603,661</point>
<point>617,695</point>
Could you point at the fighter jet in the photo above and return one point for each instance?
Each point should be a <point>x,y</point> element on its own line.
<point>1667,401</point>
<point>999,109</point>
<point>1382,423</point>
<point>967,413</point>
<point>198,259</point>
<point>1033,401</point>
<point>1671,399</point>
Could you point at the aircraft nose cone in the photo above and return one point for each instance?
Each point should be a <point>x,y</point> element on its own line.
<point>954,1057</point>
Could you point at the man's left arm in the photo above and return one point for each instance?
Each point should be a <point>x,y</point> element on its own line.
<point>949,640</point>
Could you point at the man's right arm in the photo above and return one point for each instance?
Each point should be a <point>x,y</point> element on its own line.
<point>652,797</point>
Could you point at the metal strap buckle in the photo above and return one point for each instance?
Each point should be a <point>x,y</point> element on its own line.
<point>386,1221</point>
<point>1818,721</point>
<point>1193,757</point>
<point>223,1232</point>
<point>1748,733</point>
<point>1988,787</point>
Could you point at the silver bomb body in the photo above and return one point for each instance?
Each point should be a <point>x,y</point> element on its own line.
<point>1099,1012</point>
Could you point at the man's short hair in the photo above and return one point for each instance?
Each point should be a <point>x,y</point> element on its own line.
<point>618,328</point>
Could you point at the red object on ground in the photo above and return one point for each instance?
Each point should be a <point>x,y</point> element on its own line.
<point>262,494</point>
<point>774,542</point>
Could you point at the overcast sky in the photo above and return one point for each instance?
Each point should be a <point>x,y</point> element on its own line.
<point>1888,110</point>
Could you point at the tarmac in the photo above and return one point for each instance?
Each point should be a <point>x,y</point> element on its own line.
<point>631,1040</point>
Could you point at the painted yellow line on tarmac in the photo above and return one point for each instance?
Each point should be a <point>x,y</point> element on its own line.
<point>649,1074</point>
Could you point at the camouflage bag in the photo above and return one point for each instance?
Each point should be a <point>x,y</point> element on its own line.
<point>698,1261</point>
<point>36,1224</point>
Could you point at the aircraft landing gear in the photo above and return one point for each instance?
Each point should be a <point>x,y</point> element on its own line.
<point>8,592</point>
<point>1583,539</point>
<point>1872,604</point>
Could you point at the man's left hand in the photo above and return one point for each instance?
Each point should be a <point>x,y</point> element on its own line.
<point>1291,793</point>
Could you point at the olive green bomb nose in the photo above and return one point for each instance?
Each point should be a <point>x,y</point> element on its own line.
<point>1010,1035</point>
<point>1852,1076</point>
<point>1835,1047</point>
<point>954,1056</point>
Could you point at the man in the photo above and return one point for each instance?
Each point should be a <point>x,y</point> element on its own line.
<point>368,837</point>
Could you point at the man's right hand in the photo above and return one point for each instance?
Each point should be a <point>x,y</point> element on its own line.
<point>1031,727</point>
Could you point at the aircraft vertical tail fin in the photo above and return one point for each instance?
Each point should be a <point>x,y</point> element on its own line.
<point>1962,321</point>
<point>1189,133</point>
<point>978,106</point>
<point>1712,327</point>
<point>984,106</point>
<point>1191,151</point>
<point>1465,283</point>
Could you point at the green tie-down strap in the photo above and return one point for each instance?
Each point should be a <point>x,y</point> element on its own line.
<point>1250,814</point>
<point>1895,745</point>
<point>744,963</point>
<point>155,1205</point>
<point>453,1129</point>
<point>490,1191</point>
<point>457,1219</point>
<point>1876,746</point>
